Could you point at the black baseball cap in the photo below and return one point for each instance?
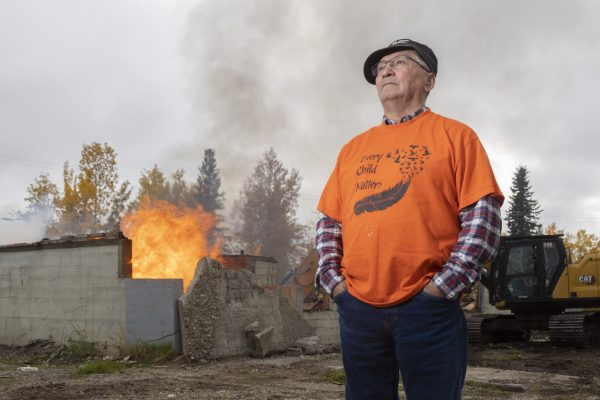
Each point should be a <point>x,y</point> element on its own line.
<point>422,50</point>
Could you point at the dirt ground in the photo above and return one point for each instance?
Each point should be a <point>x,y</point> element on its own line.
<point>527,371</point>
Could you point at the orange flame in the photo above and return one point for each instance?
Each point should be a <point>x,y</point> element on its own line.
<point>168,241</point>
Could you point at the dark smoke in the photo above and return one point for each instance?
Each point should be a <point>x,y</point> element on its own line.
<point>288,74</point>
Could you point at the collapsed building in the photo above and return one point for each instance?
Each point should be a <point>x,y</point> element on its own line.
<point>81,287</point>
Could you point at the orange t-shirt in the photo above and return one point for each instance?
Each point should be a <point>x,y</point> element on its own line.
<point>397,191</point>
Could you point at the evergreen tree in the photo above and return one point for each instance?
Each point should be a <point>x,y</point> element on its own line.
<point>523,213</point>
<point>265,214</point>
<point>208,184</point>
<point>208,194</point>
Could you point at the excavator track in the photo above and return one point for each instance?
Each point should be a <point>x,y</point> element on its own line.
<point>489,328</point>
<point>474,332</point>
<point>575,328</point>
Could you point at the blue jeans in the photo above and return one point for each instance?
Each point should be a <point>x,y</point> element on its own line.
<point>424,339</point>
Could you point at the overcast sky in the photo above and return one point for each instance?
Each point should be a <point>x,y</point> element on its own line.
<point>160,81</point>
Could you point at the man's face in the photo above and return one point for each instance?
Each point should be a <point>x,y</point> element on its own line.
<point>406,80</point>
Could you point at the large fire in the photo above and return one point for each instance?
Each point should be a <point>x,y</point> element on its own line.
<point>168,241</point>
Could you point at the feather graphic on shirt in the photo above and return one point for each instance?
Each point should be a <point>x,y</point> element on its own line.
<point>411,161</point>
<point>382,200</point>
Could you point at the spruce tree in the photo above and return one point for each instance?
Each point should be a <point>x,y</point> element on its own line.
<point>208,194</point>
<point>523,213</point>
<point>208,184</point>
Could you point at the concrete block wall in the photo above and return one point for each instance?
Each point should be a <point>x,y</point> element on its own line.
<point>73,289</point>
<point>325,324</point>
<point>60,292</point>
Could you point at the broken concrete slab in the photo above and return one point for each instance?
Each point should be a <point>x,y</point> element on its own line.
<point>294,352</point>
<point>309,345</point>
<point>221,303</point>
<point>263,345</point>
<point>252,328</point>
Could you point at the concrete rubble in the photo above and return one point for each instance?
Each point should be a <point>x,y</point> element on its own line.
<point>309,345</point>
<point>226,313</point>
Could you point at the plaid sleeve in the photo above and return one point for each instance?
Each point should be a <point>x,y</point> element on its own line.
<point>477,244</point>
<point>329,247</point>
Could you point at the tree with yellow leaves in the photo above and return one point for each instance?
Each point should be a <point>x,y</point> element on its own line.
<point>42,198</point>
<point>42,193</point>
<point>91,201</point>
<point>153,185</point>
<point>582,243</point>
<point>577,245</point>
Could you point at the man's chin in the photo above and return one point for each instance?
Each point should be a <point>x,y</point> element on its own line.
<point>387,95</point>
<point>390,84</point>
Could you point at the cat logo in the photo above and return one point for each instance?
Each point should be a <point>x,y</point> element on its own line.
<point>587,279</point>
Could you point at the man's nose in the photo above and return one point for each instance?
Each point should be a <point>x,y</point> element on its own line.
<point>387,70</point>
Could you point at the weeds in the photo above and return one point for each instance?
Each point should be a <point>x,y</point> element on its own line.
<point>76,349</point>
<point>145,352</point>
<point>100,367</point>
<point>336,376</point>
<point>33,360</point>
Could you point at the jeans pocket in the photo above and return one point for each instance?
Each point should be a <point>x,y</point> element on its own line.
<point>340,296</point>
<point>431,297</point>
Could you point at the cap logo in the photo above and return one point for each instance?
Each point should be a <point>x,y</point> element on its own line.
<point>399,41</point>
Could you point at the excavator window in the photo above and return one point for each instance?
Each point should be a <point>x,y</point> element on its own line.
<point>520,260</point>
<point>520,271</point>
<point>552,260</point>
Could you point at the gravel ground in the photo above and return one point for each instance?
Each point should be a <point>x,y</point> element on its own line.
<point>535,370</point>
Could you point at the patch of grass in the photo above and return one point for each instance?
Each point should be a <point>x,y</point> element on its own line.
<point>253,375</point>
<point>145,352</point>
<point>100,367</point>
<point>78,348</point>
<point>33,360</point>
<point>336,376</point>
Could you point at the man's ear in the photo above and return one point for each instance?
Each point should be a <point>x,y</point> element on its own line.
<point>429,83</point>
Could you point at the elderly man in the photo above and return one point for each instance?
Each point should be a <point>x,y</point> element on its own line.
<point>409,215</point>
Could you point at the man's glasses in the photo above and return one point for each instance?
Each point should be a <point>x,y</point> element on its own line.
<point>401,61</point>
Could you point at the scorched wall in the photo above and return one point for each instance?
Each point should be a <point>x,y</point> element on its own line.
<point>78,287</point>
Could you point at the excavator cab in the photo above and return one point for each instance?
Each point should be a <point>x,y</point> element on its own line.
<point>530,278</point>
<point>526,269</point>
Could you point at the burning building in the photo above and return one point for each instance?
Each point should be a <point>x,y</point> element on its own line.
<point>85,286</point>
<point>82,286</point>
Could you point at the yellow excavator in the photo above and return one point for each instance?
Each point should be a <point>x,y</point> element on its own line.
<point>532,278</point>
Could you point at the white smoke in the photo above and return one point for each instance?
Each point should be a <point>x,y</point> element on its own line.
<point>27,227</point>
